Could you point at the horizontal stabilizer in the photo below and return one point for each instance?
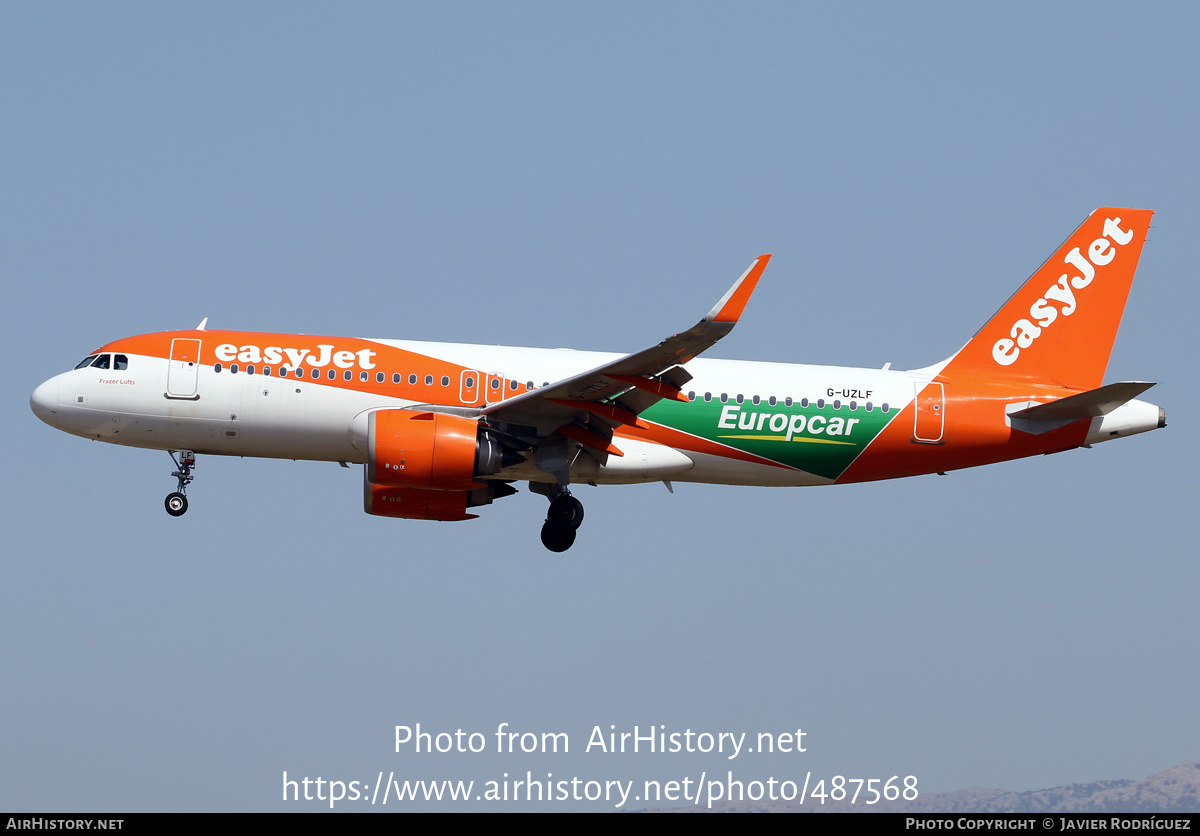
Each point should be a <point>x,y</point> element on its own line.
<point>1091,404</point>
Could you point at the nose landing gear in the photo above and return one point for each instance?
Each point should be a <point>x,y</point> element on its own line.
<point>176,502</point>
<point>563,519</point>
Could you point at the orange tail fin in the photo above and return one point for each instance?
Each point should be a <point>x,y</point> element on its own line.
<point>1059,327</point>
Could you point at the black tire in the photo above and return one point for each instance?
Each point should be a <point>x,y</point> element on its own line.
<point>557,538</point>
<point>176,504</point>
<point>566,510</point>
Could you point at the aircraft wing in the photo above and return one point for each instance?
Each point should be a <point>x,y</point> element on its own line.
<point>616,392</point>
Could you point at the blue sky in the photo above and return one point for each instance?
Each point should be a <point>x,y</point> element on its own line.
<point>593,176</point>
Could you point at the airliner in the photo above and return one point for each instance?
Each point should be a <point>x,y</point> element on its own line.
<point>444,428</point>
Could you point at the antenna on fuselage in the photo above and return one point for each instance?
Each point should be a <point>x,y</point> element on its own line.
<point>203,322</point>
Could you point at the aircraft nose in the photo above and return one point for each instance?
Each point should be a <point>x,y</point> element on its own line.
<point>44,402</point>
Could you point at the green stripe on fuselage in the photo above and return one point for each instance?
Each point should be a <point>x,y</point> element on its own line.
<point>829,438</point>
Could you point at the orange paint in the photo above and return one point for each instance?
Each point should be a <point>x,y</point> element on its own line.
<point>731,311</point>
<point>1075,299</point>
<point>588,439</point>
<point>417,504</point>
<point>974,433</point>
<point>422,450</point>
<point>612,413</point>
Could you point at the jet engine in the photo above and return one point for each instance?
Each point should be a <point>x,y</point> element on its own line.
<point>424,465</point>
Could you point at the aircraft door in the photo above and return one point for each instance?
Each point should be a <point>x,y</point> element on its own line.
<point>469,387</point>
<point>930,417</point>
<point>183,369</point>
<point>495,388</point>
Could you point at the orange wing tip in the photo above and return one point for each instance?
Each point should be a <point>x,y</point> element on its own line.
<point>654,387</point>
<point>731,306</point>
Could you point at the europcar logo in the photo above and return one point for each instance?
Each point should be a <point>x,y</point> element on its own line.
<point>785,427</point>
<point>1043,313</point>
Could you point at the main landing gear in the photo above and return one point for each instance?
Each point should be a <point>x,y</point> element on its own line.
<point>562,521</point>
<point>176,501</point>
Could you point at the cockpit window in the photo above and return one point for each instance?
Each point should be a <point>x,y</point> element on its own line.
<point>86,361</point>
<point>120,362</point>
<point>101,361</point>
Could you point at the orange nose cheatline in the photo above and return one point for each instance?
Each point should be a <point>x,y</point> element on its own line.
<point>44,402</point>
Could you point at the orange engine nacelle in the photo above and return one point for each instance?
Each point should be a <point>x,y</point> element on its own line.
<point>422,465</point>
<point>416,503</point>
<point>421,450</point>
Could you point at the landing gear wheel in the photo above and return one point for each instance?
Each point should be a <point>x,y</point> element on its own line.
<point>566,511</point>
<point>557,538</point>
<point>176,504</point>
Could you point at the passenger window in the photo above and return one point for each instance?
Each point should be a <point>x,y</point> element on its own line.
<point>756,400</point>
<point>803,402</point>
<point>347,375</point>
<point>868,406</point>
<point>724,398</point>
<point>332,374</point>
<point>529,386</point>
<point>267,371</point>
<point>120,362</point>
<point>820,403</point>
<point>771,400</point>
<point>837,404</point>
<point>884,407</point>
<point>412,380</point>
<point>853,405</point>
<point>316,374</point>
<point>445,380</point>
<point>691,396</point>
<point>512,384</point>
<point>495,384</point>
<point>739,399</point>
<point>378,377</point>
<point>707,397</point>
<point>233,368</point>
<point>428,380</point>
<point>249,369</point>
<point>86,361</point>
<point>216,367</point>
<point>788,402</point>
<point>396,377</point>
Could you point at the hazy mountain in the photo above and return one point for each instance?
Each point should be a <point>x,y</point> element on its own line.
<point>1174,790</point>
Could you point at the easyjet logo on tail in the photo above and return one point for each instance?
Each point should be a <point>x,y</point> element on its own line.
<point>1059,298</point>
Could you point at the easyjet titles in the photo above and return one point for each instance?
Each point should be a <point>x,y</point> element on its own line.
<point>273,355</point>
<point>1024,331</point>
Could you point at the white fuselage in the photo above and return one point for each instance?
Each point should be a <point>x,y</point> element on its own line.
<point>240,414</point>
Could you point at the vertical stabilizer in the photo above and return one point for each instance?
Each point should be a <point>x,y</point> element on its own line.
<point>1059,327</point>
